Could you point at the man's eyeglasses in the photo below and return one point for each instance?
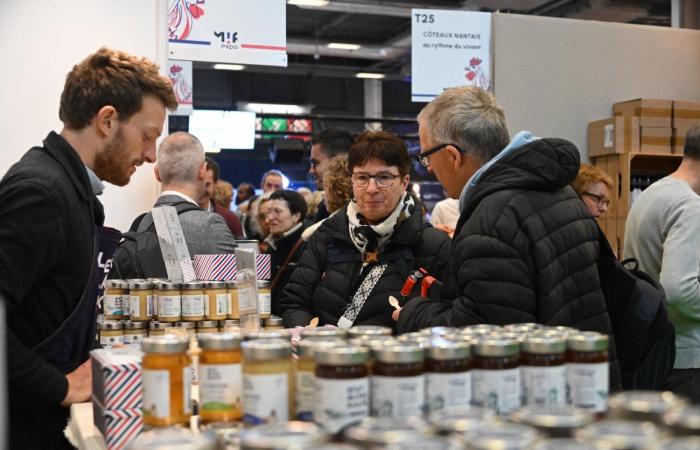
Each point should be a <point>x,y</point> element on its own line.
<point>599,199</point>
<point>424,157</point>
<point>383,180</point>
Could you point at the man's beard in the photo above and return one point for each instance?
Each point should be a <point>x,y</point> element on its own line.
<point>113,164</point>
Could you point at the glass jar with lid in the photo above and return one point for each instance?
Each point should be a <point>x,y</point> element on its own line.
<point>169,301</point>
<point>268,381</point>
<point>273,323</point>
<point>289,435</point>
<point>644,405</point>
<point>111,333</point>
<point>543,370</point>
<point>114,307</point>
<point>587,370</point>
<point>568,444</point>
<point>501,435</point>
<point>172,438</point>
<point>220,377</point>
<point>496,374</point>
<point>187,329</point>
<point>216,306</point>
<point>304,375</point>
<point>622,434</point>
<point>378,432</point>
<point>342,386</point>
<point>264,299</point>
<point>451,423</point>
<point>436,331</point>
<point>230,326</point>
<point>482,328</point>
<point>158,328</point>
<point>368,330</point>
<point>135,332</point>
<point>684,422</point>
<point>232,295</point>
<point>554,421</point>
<point>323,332</point>
<point>448,376</point>
<point>266,334</point>
<point>140,300</point>
<point>166,379</point>
<point>398,381</point>
<point>207,327</point>
<point>193,301</point>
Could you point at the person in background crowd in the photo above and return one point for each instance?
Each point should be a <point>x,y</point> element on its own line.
<point>445,214</point>
<point>593,186</point>
<point>525,247</point>
<point>271,181</point>
<point>314,204</point>
<point>53,242</point>
<point>338,191</point>
<point>305,192</point>
<point>181,170</point>
<point>244,193</point>
<point>326,145</point>
<point>206,201</point>
<point>223,194</point>
<point>285,215</point>
<point>263,208</point>
<point>663,234</point>
<point>363,254</point>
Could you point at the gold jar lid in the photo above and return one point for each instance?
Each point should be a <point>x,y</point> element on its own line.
<point>263,284</point>
<point>230,323</point>
<point>273,321</point>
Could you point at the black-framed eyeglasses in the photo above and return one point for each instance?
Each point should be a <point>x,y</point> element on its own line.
<point>599,199</point>
<point>424,157</point>
<point>384,180</point>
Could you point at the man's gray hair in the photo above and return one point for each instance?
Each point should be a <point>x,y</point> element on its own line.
<point>468,117</point>
<point>180,157</point>
<point>274,172</point>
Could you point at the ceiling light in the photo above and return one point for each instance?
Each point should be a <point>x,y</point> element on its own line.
<point>273,108</point>
<point>342,46</point>
<point>229,67</point>
<point>374,76</point>
<point>308,2</point>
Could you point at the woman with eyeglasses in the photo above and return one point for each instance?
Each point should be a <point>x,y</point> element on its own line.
<point>363,254</point>
<point>593,186</point>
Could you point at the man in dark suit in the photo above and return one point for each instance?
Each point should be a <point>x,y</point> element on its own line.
<point>181,170</point>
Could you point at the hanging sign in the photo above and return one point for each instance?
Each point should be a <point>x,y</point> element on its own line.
<point>449,48</point>
<point>180,74</point>
<point>228,31</point>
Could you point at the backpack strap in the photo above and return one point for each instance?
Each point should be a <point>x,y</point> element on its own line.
<point>181,207</point>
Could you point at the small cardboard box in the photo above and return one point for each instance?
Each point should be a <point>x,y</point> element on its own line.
<point>685,115</point>
<point>118,427</point>
<point>615,135</point>
<point>655,140</point>
<point>651,112</point>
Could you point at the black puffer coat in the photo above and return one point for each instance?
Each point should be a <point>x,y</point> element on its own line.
<point>328,274</point>
<point>525,249</point>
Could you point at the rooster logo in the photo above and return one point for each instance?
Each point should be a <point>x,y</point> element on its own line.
<point>183,91</point>
<point>181,17</point>
<point>475,74</point>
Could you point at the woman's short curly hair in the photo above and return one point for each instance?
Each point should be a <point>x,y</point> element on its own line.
<point>337,184</point>
<point>588,175</point>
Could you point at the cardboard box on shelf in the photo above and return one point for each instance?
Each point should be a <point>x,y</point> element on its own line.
<point>614,135</point>
<point>655,140</point>
<point>651,112</point>
<point>677,141</point>
<point>685,114</point>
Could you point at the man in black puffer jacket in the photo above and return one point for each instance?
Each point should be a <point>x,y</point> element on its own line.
<point>337,259</point>
<point>525,248</point>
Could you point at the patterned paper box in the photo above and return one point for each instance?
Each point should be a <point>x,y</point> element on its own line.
<point>119,427</point>
<point>116,379</point>
<point>223,267</point>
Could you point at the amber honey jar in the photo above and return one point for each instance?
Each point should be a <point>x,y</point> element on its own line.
<point>216,305</point>
<point>220,377</point>
<point>193,301</point>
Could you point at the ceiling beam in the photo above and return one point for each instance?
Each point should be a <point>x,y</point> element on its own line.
<point>383,9</point>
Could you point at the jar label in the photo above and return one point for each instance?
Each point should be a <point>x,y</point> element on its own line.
<point>169,306</point>
<point>133,338</point>
<point>220,387</point>
<point>264,302</point>
<point>135,306</point>
<point>544,385</point>
<point>306,395</point>
<point>152,305</point>
<point>341,402</point>
<point>233,304</point>
<point>112,305</point>
<point>498,390</point>
<point>265,398</point>
<point>397,396</point>
<point>156,393</point>
<point>193,305</point>
<point>587,385</point>
<point>109,341</point>
<point>449,392</point>
<point>221,304</point>
<point>187,389</point>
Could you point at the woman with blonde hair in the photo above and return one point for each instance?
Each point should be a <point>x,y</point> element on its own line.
<point>593,186</point>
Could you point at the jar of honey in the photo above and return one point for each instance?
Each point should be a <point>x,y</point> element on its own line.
<point>216,306</point>
<point>113,305</point>
<point>140,300</point>
<point>111,333</point>
<point>207,327</point>
<point>193,301</point>
<point>166,381</point>
<point>273,323</point>
<point>220,377</point>
<point>232,296</point>
<point>264,299</point>
<point>135,332</point>
<point>305,378</point>
<point>169,301</point>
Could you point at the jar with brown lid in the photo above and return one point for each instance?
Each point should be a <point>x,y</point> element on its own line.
<point>232,296</point>
<point>268,382</point>
<point>368,330</point>
<point>448,376</point>
<point>543,370</point>
<point>140,300</point>
<point>398,381</point>
<point>207,327</point>
<point>169,301</point>
<point>304,375</point>
<point>587,371</point>
<point>216,306</point>
<point>193,301</point>
<point>166,379</point>
<point>135,332</point>
<point>111,333</point>
<point>114,307</point>
<point>496,374</point>
<point>220,377</point>
<point>342,386</point>
<point>264,299</point>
